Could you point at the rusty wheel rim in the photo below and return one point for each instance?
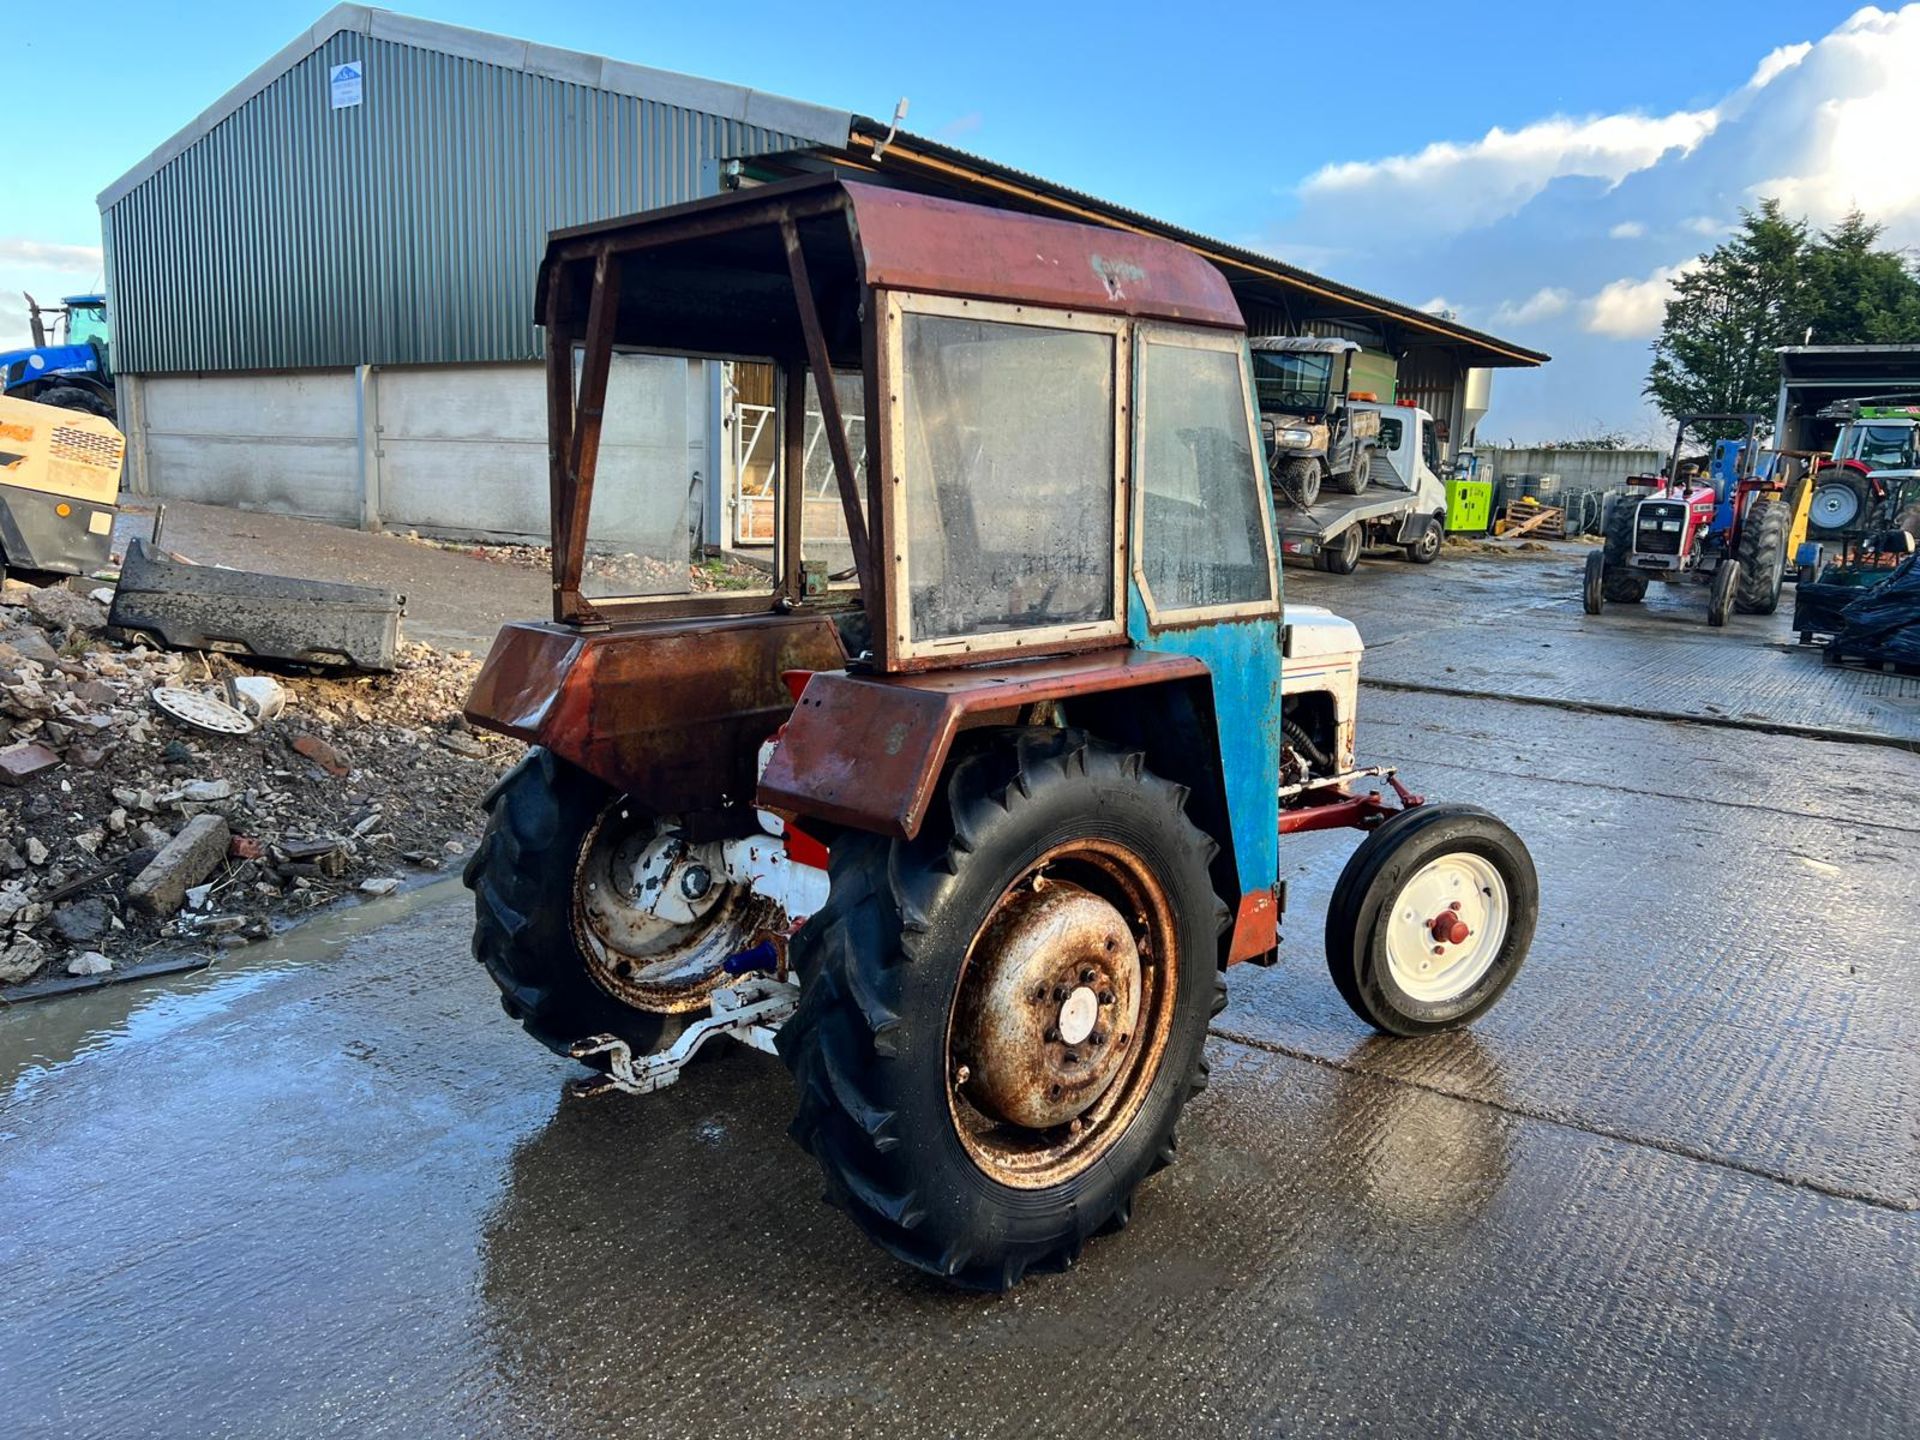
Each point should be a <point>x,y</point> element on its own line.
<point>631,955</point>
<point>1011,1084</point>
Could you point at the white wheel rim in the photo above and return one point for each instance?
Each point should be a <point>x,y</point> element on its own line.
<point>1835,506</point>
<point>1426,962</point>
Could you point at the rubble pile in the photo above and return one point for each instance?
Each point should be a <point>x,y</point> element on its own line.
<point>125,831</point>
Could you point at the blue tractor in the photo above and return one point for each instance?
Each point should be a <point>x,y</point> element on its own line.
<point>67,364</point>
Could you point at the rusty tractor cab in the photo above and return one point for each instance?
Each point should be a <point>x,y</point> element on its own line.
<point>967,810</point>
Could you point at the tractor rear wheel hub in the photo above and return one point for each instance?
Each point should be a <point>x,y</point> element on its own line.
<point>1048,1005</point>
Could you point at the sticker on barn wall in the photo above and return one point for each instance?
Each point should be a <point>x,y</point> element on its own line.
<point>344,81</point>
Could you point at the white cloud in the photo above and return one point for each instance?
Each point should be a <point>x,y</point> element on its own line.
<point>1777,62</point>
<point>1544,207</point>
<point>40,255</point>
<point>1440,305</point>
<point>1543,304</point>
<point>1633,309</point>
<point>1479,181</point>
<point>14,334</point>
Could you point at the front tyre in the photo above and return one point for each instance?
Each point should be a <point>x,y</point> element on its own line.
<point>1721,590</point>
<point>1431,919</point>
<point>1002,1019</point>
<point>1593,584</point>
<point>1300,481</point>
<point>1426,548</point>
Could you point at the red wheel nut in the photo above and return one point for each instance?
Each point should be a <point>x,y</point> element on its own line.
<point>1448,928</point>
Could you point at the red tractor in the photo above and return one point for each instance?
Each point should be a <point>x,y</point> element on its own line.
<point>1716,522</point>
<point>968,810</point>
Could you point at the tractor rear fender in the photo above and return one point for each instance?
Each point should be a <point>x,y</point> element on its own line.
<point>867,751</point>
<point>672,712</point>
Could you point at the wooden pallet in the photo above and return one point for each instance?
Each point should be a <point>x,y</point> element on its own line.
<point>1525,517</point>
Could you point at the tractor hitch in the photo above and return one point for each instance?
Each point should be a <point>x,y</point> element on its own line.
<point>750,1012</point>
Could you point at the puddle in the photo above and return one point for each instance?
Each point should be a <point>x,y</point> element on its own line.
<point>37,1039</point>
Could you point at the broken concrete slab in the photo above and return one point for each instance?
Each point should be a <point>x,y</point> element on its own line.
<point>203,607</point>
<point>186,860</point>
<point>59,608</point>
<point>21,763</point>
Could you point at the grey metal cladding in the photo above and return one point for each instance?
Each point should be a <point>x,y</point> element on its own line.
<point>406,229</point>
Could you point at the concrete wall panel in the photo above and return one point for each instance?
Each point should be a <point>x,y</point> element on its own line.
<point>281,442</point>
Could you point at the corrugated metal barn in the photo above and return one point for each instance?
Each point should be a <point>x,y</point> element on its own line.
<point>326,308</point>
<point>322,289</point>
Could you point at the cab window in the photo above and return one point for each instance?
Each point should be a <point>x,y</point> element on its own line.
<point>1203,541</point>
<point>1010,480</point>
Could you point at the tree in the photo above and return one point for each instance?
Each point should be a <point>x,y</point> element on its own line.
<point>1727,315</point>
<point>1774,284</point>
<point>1858,293</point>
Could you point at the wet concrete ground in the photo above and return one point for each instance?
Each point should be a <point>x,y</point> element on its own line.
<point>1668,1186</point>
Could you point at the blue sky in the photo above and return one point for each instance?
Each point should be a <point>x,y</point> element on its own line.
<point>1578,147</point>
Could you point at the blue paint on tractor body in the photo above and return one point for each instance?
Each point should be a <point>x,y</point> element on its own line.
<point>1243,657</point>
<point>56,361</point>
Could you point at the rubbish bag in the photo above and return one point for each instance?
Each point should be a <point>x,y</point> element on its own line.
<point>1884,623</point>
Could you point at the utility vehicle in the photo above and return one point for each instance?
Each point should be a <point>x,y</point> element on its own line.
<point>1724,527</point>
<point>1315,435</point>
<point>972,839</point>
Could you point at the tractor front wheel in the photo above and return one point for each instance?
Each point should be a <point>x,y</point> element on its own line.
<point>1002,1018</point>
<point>75,397</point>
<point>1593,586</point>
<point>1763,557</point>
<point>1431,919</point>
<point>1721,590</point>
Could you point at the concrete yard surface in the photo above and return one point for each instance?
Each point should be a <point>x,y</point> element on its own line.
<point>1669,1186</point>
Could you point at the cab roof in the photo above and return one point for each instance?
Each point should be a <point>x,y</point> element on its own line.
<point>712,275</point>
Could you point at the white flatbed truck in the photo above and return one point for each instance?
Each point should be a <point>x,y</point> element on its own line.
<point>1404,506</point>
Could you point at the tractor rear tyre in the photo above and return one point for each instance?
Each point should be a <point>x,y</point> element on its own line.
<point>1840,500</point>
<point>522,876</point>
<point>1721,590</point>
<point>74,397</point>
<point>1593,585</point>
<point>1763,557</point>
<point>1353,481</point>
<point>1426,547</point>
<point>1621,585</point>
<point>1003,1017</point>
<point>1342,557</point>
<point>1300,482</point>
<point>1431,919</point>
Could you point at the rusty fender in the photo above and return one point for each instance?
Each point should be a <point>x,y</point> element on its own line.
<point>867,750</point>
<point>671,712</point>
